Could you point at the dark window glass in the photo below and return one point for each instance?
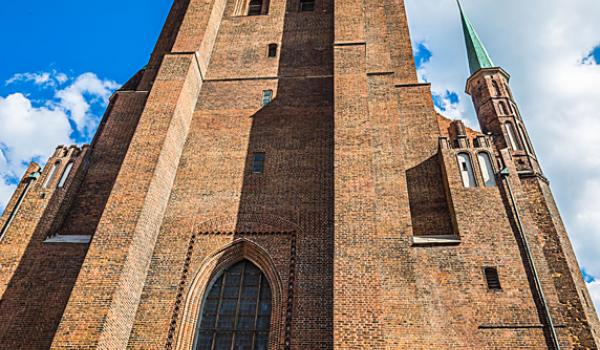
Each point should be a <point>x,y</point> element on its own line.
<point>255,8</point>
<point>492,278</point>
<point>237,311</point>
<point>307,5</point>
<point>258,163</point>
<point>272,50</point>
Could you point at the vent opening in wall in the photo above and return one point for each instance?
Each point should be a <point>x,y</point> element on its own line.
<point>492,278</point>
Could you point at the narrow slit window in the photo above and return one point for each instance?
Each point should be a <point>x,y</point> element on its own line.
<point>492,278</point>
<point>51,175</point>
<point>525,140</point>
<point>307,5</point>
<point>497,91</point>
<point>272,50</point>
<point>65,175</point>
<point>466,170</point>
<point>258,163</point>
<point>487,170</point>
<point>512,136</point>
<point>267,97</point>
<point>503,108</point>
<point>255,8</point>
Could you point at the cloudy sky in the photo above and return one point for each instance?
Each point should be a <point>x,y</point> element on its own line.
<point>65,58</point>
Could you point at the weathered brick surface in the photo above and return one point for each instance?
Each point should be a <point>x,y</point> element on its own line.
<point>359,170</point>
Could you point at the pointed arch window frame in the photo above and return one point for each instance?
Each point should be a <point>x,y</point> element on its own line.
<point>65,174</point>
<point>227,256</point>
<point>471,180</point>
<point>514,140</point>
<point>51,175</point>
<point>486,166</point>
<point>249,312</point>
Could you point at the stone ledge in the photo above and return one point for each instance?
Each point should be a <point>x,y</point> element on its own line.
<point>436,240</point>
<point>69,239</point>
<point>516,326</point>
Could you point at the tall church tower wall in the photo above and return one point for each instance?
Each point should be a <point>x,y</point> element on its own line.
<point>303,143</point>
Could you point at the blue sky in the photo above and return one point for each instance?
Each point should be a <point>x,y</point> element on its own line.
<point>95,45</point>
<point>110,38</point>
<point>62,59</point>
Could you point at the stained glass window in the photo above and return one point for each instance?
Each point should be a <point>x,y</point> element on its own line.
<point>236,314</point>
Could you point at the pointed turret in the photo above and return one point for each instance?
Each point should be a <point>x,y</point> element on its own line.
<point>478,56</point>
<point>496,108</point>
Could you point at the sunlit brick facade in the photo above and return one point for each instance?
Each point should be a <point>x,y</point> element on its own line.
<point>295,137</point>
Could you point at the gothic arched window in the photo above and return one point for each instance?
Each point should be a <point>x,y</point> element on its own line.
<point>51,175</point>
<point>236,313</point>
<point>65,175</point>
<point>512,136</point>
<point>487,169</point>
<point>503,108</point>
<point>525,140</point>
<point>466,170</point>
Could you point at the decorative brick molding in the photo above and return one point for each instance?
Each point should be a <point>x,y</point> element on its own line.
<point>232,253</point>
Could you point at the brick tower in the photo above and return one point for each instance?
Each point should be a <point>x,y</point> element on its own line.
<point>277,178</point>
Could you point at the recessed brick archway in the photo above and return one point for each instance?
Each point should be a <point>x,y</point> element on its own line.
<point>228,255</point>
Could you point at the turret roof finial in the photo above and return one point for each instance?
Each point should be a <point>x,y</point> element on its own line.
<point>478,55</point>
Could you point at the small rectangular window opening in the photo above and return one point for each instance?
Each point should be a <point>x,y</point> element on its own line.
<point>272,50</point>
<point>307,5</point>
<point>258,163</point>
<point>492,278</point>
<point>255,8</point>
<point>267,97</point>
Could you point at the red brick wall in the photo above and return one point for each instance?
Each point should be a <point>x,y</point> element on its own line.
<point>354,178</point>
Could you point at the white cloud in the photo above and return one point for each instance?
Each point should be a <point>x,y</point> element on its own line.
<point>38,78</point>
<point>28,132</point>
<point>556,91</point>
<point>61,78</point>
<point>31,129</point>
<point>43,79</point>
<point>76,98</point>
<point>594,288</point>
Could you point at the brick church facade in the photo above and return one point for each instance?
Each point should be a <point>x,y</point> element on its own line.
<point>277,178</point>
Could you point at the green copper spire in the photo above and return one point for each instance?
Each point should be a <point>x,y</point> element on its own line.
<point>478,55</point>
